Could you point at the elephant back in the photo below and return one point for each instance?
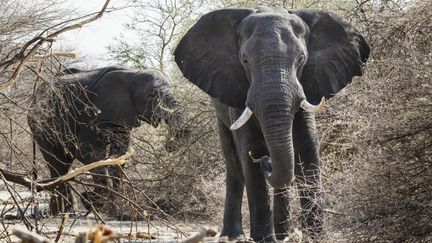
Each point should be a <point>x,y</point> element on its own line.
<point>89,78</point>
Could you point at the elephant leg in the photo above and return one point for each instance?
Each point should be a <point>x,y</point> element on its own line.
<point>307,172</point>
<point>281,216</point>
<point>97,145</point>
<point>261,218</point>
<point>232,220</point>
<point>93,148</point>
<point>97,196</point>
<point>118,140</point>
<point>59,164</point>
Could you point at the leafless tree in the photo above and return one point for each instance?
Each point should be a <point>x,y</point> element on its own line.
<point>158,24</point>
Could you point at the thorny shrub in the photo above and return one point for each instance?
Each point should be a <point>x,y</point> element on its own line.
<point>377,136</point>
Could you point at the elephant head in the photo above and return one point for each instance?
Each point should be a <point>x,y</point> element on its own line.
<point>272,63</point>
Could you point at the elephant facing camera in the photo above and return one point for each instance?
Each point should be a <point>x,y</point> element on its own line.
<point>89,115</point>
<point>268,70</point>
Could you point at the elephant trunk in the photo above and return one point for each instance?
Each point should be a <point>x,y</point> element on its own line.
<point>171,113</point>
<point>276,119</point>
<point>275,99</point>
<point>178,127</point>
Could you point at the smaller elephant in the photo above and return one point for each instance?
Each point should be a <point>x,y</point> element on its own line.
<point>89,115</point>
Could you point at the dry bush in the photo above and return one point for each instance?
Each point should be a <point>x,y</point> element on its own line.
<point>188,182</point>
<point>376,137</point>
<point>26,61</point>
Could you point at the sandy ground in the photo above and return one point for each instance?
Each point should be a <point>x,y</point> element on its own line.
<point>129,231</point>
<point>137,231</point>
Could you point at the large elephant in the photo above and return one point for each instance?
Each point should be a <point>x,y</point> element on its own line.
<point>262,67</point>
<point>89,115</point>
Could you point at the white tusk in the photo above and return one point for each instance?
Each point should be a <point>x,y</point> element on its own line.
<point>247,113</point>
<point>312,108</point>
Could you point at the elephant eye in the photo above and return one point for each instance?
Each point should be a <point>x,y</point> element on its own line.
<point>245,61</point>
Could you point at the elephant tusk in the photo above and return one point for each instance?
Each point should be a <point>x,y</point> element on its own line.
<point>305,105</point>
<point>247,113</point>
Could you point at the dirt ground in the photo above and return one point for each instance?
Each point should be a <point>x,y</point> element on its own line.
<point>153,231</point>
<point>136,231</point>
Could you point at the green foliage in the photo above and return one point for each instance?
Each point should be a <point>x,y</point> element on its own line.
<point>130,54</point>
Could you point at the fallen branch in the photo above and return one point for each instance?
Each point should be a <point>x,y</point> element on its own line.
<point>52,183</point>
<point>28,236</point>
<point>100,234</point>
<point>199,237</point>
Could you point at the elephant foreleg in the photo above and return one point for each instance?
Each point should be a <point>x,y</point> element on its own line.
<point>98,144</point>
<point>91,151</point>
<point>118,145</point>
<point>59,163</point>
<point>281,217</point>
<point>307,172</point>
<point>261,218</point>
<point>232,221</point>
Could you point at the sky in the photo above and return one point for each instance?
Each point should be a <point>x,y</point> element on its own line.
<point>91,41</point>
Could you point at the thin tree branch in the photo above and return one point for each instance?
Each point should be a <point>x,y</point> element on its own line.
<point>27,52</point>
<point>52,183</point>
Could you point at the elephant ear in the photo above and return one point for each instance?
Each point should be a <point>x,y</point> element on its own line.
<point>337,52</point>
<point>208,56</point>
<point>111,94</point>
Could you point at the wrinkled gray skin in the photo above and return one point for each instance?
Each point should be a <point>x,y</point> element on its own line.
<point>270,60</point>
<point>90,115</point>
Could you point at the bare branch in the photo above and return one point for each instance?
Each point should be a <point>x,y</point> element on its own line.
<point>51,184</point>
<point>30,48</point>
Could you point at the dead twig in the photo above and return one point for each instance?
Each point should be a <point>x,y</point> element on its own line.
<point>65,217</point>
<point>54,182</point>
<point>20,210</point>
<point>30,48</point>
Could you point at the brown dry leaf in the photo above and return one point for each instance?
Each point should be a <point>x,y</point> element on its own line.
<point>101,234</point>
